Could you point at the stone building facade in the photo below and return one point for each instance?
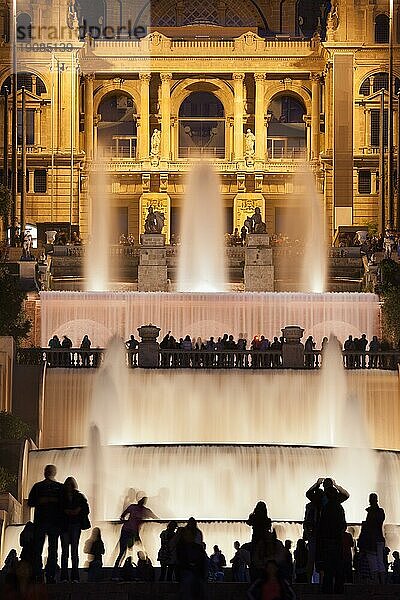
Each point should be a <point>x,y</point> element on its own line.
<point>256,88</point>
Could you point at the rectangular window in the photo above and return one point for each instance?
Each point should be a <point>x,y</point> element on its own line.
<point>40,181</point>
<point>376,126</point>
<point>364,182</point>
<point>30,127</point>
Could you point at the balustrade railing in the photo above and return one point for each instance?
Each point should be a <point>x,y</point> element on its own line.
<point>114,250</point>
<point>77,358</point>
<point>71,358</point>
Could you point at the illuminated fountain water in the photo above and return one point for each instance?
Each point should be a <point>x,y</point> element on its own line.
<point>201,255</point>
<point>181,437</point>
<point>315,251</point>
<point>342,424</point>
<point>233,455</point>
<point>97,269</point>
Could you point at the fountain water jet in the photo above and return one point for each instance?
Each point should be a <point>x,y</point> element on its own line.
<point>315,251</point>
<point>303,221</point>
<point>342,424</point>
<point>201,256</point>
<point>111,411</point>
<point>97,268</point>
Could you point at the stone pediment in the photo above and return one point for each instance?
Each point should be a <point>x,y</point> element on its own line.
<point>376,96</point>
<point>30,97</point>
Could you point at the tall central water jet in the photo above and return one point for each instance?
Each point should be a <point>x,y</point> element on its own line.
<point>97,272</point>
<point>315,261</point>
<point>201,255</point>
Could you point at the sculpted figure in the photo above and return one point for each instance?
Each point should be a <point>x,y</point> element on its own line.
<point>250,140</point>
<point>155,143</point>
<point>154,222</point>
<point>257,224</point>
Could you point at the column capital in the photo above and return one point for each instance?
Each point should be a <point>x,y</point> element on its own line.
<point>165,77</point>
<point>259,76</point>
<point>89,76</point>
<point>145,76</point>
<point>307,120</point>
<point>315,77</point>
<point>238,76</point>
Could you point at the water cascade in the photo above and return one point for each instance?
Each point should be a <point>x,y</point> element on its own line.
<point>170,406</point>
<point>201,254</point>
<point>102,315</point>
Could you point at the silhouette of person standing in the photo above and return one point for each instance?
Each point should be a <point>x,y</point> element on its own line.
<point>45,497</point>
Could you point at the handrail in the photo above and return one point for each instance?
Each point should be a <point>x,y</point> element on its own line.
<point>204,359</point>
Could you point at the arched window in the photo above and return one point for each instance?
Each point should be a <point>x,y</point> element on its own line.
<point>95,15</point>
<point>232,13</point>
<point>286,136</point>
<point>30,82</point>
<point>382,29</point>
<point>117,128</point>
<point>376,82</point>
<point>24,27</point>
<point>201,126</point>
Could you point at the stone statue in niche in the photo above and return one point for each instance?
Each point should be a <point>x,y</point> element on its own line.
<point>154,222</point>
<point>250,140</point>
<point>155,143</point>
<point>257,224</point>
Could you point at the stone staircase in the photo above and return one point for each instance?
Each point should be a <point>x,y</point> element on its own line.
<point>344,273</point>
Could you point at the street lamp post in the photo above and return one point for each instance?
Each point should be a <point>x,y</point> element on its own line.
<point>23,166</point>
<point>5,139</point>
<point>5,156</point>
<point>382,211</point>
<point>14,125</point>
<point>390,170</point>
<point>398,164</point>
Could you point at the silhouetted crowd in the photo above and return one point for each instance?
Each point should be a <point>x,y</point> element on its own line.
<point>264,353</point>
<point>326,553</point>
<point>226,352</point>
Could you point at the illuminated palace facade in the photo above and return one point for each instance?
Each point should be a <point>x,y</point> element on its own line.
<point>253,87</point>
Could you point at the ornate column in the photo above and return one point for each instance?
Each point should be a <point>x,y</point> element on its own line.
<point>96,120</point>
<point>144,121</point>
<point>259,116</point>
<point>267,120</point>
<point>367,128</point>
<point>307,121</point>
<point>328,107</point>
<point>315,115</point>
<point>238,115</point>
<point>89,78</point>
<point>37,128</point>
<point>165,115</point>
